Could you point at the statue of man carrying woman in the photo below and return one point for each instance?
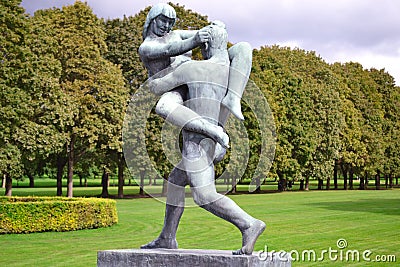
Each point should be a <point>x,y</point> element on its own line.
<point>198,97</point>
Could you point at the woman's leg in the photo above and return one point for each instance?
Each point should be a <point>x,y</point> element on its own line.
<point>170,106</point>
<point>240,56</point>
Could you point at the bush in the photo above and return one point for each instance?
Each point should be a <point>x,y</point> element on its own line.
<point>40,214</point>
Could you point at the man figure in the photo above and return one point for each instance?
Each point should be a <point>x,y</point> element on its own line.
<point>158,52</point>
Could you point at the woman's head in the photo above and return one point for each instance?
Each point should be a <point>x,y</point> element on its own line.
<point>161,17</point>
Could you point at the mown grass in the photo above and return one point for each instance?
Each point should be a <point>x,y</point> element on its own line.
<point>47,187</point>
<point>315,220</point>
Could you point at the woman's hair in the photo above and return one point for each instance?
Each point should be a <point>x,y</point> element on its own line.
<point>155,11</point>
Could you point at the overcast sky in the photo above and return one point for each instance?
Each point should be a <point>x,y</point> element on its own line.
<point>365,31</point>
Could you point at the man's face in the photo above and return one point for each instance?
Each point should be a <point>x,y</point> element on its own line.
<point>162,25</point>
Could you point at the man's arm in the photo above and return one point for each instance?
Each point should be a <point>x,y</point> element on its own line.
<point>185,73</point>
<point>162,85</point>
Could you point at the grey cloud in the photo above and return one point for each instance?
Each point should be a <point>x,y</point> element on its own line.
<point>328,27</point>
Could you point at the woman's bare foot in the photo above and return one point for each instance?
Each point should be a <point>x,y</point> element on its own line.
<point>249,238</point>
<point>219,135</point>
<point>219,153</point>
<point>232,102</point>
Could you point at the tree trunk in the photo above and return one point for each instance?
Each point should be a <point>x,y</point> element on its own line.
<point>362,184</point>
<point>60,170</point>
<point>344,172</point>
<point>320,184</point>
<point>307,185</point>
<point>121,166</point>
<point>281,182</point>
<point>351,178</point>
<point>104,183</point>
<point>335,175</point>
<point>70,181</point>
<point>164,186</point>
<point>390,180</point>
<point>31,180</point>
<point>80,181</point>
<point>233,184</point>
<point>378,180</point>
<point>8,192</point>
<point>3,181</point>
<point>328,183</point>
<point>301,184</point>
<point>366,180</point>
<point>141,185</point>
<point>258,184</point>
<point>386,180</point>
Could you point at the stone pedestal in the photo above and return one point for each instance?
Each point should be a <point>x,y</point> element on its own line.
<point>188,257</point>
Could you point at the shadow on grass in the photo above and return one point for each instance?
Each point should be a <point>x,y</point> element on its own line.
<point>388,206</point>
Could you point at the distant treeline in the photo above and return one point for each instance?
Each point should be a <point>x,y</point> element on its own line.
<point>66,79</point>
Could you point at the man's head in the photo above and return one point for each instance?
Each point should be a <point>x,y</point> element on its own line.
<point>218,38</point>
<point>159,20</point>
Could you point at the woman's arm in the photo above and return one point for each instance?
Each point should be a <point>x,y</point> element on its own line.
<point>185,34</point>
<point>153,49</point>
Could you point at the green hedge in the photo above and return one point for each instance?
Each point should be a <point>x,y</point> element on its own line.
<point>40,214</point>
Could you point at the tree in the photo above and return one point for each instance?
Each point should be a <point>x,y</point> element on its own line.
<point>93,92</point>
<point>123,37</point>
<point>14,71</point>
<point>363,148</point>
<point>42,135</point>
<point>390,126</point>
<point>302,92</point>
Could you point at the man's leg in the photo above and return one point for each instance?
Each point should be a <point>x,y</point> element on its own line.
<point>173,211</point>
<point>205,195</point>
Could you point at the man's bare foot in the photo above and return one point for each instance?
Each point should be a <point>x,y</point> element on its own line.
<point>232,102</point>
<point>169,243</point>
<point>249,238</point>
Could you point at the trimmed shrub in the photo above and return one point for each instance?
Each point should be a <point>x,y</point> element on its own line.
<point>41,214</point>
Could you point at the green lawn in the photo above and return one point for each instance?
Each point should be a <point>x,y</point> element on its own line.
<point>315,220</point>
<point>47,187</point>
